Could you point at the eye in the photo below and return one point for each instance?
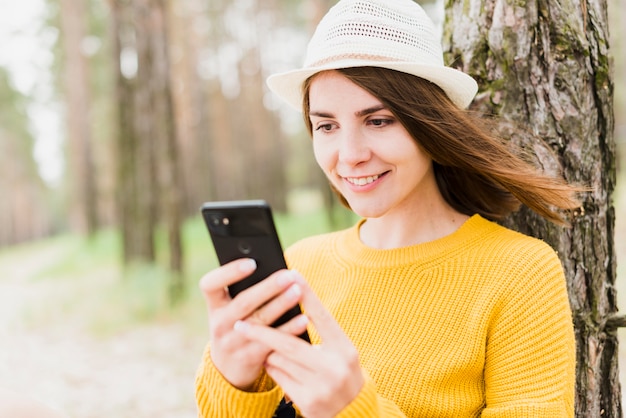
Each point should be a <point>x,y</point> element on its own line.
<point>325,127</point>
<point>380,122</point>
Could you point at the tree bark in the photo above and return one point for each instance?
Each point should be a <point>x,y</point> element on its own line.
<point>25,212</point>
<point>164,136</point>
<point>83,196</point>
<point>135,180</point>
<point>261,141</point>
<point>190,99</point>
<point>150,181</point>
<point>544,66</point>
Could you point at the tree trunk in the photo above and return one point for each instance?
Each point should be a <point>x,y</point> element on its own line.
<point>150,181</point>
<point>190,102</point>
<point>261,143</point>
<point>135,182</point>
<point>83,194</point>
<point>163,136</point>
<point>544,66</point>
<point>25,213</point>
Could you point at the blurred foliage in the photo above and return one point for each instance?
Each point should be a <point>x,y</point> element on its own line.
<point>13,116</point>
<point>16,139</point>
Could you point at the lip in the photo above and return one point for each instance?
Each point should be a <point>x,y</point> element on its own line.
<point>363,183</point>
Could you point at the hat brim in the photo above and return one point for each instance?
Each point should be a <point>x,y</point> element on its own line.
<point>458,86</point>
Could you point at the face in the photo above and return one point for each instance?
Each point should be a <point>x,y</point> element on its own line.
<point>365,152</point>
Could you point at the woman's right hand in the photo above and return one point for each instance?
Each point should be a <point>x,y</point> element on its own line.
<point>237,358</point>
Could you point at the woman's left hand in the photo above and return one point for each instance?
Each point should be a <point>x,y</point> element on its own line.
<point>321,379</point>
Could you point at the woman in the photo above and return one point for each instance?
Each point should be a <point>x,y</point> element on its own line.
<point>426,307</point>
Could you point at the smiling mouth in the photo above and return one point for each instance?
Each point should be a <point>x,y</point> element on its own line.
<point>362,181</point>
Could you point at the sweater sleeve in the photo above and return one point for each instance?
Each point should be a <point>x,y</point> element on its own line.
<point>530,358</point>
<point>217,398</point>
<point>369,403</point>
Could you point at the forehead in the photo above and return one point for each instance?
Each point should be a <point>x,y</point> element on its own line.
<point>331,89</point>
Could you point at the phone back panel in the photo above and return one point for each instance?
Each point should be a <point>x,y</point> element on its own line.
<point>244,229</point>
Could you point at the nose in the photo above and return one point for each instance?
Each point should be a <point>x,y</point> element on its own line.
<point>353,147</point>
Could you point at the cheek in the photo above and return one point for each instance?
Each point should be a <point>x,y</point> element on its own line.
<point>323,156</point>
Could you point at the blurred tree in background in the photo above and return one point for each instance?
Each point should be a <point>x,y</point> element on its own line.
<point>26,206</point>
<point>80,166</point>
<point>149,186</point>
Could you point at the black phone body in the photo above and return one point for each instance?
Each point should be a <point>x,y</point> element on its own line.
<point>245,229</point>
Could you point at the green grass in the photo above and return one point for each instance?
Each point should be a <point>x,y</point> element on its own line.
<point>75,281</point>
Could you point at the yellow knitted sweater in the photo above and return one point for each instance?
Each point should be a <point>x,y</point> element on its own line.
<point>474,324</point>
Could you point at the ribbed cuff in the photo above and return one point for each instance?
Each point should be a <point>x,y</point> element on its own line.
<point>539,410</point>
<point>217,397</point>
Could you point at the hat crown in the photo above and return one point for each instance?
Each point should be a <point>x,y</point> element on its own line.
<point>376,30</point>
<point>394,34</point>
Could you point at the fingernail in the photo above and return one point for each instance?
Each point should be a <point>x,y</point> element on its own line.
<point>249,264</point>
<point>302,320</point>
<point>294,291</point>
<point>284,278</point>
<point>241,326</point>
<point>297,276</point>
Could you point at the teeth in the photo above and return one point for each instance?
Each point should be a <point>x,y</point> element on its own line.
<point>362,181</point>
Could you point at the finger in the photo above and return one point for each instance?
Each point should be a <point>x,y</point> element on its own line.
<point>298,370</point>
<point>276,307</point>
<point>295,387</point>
<point>236,342</point>
<point>289,346</point>
<point>213,284</point>
<point>295,326</point>
<point>327,327</point>
<point>254,298</point>
<point>289,376</point>
<point>283,377</point>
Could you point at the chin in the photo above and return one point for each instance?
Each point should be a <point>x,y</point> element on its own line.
<point>366,211</point>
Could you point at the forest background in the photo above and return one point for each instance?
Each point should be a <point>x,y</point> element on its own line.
<point>101,241</point>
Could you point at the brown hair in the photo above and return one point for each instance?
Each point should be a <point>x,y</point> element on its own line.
<point>476,171</point>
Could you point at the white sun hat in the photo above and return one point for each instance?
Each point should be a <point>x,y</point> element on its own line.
<point>393,34</point>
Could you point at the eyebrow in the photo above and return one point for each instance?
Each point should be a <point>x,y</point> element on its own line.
<point>358,113</point>
<point>370,110</point>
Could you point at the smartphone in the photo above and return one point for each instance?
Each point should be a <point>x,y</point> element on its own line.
<point>245,228</point>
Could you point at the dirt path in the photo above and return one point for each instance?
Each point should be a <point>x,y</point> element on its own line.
<point>145,372</point>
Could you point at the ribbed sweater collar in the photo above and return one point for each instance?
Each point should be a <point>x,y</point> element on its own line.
<point>350,249</point>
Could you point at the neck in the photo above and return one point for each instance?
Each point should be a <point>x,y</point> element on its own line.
<point>415,225</point>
